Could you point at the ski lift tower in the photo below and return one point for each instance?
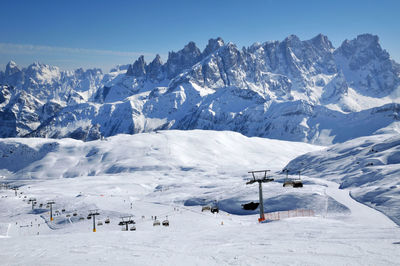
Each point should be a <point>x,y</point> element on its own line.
<point>50,203</point>
<point>94,213</point>
<point>261,180</point>
<point>15,190</point>
<point>126,220</point>
<point>32,201</point>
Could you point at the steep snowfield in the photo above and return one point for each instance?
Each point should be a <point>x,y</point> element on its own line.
<point>368,166</point>
<point>172,173</point>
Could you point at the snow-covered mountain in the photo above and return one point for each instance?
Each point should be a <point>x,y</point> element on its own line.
<point>291,89</point>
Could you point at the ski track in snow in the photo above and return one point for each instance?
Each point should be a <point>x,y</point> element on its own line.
<point>360,213</point>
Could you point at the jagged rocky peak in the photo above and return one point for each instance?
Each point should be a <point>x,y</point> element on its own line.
<point>231,55</point>
<point>12,74</point>
<point>367,67</point>
<point>157,62</point>
<point>321,41</point>
<point>280,89</point>
<point>183,59</point>
<point>292,41</point>
<point>11,68</point>
<point>39,67</point>
<point>41,73</point>
<point>137,69</point>
<point>213,45</point>
<point>364,43</point>
<point>154,69</point>
<point>91,72</point>
<point>367,38</point>
<point>191,48</point>
<point>118,68</point>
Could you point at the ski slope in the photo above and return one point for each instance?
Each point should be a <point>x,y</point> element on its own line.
<point>368,166</point>
<point>170,174</point>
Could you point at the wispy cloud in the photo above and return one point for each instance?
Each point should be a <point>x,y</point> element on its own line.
<point>12,48</point>
<point>67,58</point>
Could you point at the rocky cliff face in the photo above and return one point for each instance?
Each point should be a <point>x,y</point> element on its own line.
<point>291,89</point>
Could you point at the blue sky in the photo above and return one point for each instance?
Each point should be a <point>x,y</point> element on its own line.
<point>89,33</point>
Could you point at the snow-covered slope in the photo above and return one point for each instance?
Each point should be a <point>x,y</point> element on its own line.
<point>173,150</point>
<point>280,89</point>
<point>169,174</point>
<point>368,166</point>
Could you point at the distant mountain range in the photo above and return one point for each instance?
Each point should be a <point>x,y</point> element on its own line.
<point>291,90</point>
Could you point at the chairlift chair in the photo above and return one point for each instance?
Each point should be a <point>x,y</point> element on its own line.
<point>251,206</point>
<point>133,228</point>
<point>89,217</point>
<point>205,208</point>
<point>214,209</point>
<point>156,223</point>
<point>297,183</point>
<point>75,214</point>
<point>289,182</point>
<point>99,223</point>
<point>107,221</point>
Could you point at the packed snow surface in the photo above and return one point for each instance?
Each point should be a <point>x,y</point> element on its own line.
<point>171,175</point>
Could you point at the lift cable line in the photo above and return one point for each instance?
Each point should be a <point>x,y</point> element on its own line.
<point>264,179</point>
<point>93,214</point>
